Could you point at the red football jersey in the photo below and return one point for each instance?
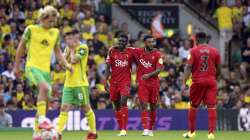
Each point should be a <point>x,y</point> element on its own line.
<point>121,64</point>
<point>147,62</point>
<point>203,59</point>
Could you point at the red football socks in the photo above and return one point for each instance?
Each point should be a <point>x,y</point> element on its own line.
<point>124,118</point>
<point>152,115</point>
<point>192,119</point>
<point>212,116</point>
<point>144,119</point>
<point>118,115</point>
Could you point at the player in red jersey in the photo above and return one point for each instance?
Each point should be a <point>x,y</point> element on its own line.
<point>204,65</point>
<point>119,64</point>
<point>149,65</point>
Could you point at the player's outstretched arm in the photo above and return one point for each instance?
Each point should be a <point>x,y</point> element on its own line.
<point>61,58</point>
<point>19,54</point>
<point>106,76</point>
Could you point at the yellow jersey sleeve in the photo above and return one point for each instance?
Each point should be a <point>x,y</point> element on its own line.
<point>27,34</point>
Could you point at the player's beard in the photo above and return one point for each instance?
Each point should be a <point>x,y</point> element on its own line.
<point>149,48</point>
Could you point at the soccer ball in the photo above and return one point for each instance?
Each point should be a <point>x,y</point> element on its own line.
<point>49,135</point>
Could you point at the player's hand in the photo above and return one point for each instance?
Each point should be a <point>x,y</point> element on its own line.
<point>16,71</point>
<point>184,88</point>
<point>145,76</point>
<point>106,86</point>
<point>70,68</point>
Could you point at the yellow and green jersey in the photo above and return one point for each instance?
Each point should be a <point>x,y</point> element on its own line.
<point>79,75</point>
<point>40,43</point>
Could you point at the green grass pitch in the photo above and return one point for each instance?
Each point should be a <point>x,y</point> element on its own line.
<point>132,135</point>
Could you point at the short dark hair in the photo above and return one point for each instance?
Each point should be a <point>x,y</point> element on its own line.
<point>201,37</point>
<point>122,35</point>
<point>147,37</point>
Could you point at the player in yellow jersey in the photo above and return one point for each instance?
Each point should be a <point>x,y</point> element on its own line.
<point>39,41</point>
<point>76,86</point>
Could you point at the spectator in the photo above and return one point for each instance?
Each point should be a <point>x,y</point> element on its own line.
<point>11,106</point>
<point>114,27</point>
<point>245,52</point>
<point>5,28</point>
<point>16,14</point>
<point>2,63</point>
<point>8,73</point>
<point>6,95</point>
<point>87,34</point>
<point>19,92</point>
<point>97,44</point>
<point>54,104</point>
<point>102,104</point>
<point>238,11</point>
<point>5,118</point>
<point>224,17</point>
<point>246,18</point>
<point>30,105</point>
<point>183,50</point>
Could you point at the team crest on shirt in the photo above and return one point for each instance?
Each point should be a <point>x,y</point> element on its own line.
<point>45,42</point>
<point>81,51</point>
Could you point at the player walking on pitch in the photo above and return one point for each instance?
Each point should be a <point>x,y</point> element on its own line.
<point>119,64</point>
<point>76,86</point>
<point>204,65</point>
<point>149,64</point>
<point>39,41</point>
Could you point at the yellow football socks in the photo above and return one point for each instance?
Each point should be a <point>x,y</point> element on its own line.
<point>41,108</point>
<point>63,118</point>
<point>91,120</point>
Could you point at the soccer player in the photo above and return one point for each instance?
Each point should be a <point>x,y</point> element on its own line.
<point>149,65</point>
<point>119,65</point>
<point>76,86</point>
<point>204,65</point>
<point>39,41</point>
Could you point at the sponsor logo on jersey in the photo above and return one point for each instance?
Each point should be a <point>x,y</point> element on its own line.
<point>120,63</point>
<point>145,64</point>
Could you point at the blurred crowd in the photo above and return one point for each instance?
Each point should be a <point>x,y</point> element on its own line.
<point>99,32</point>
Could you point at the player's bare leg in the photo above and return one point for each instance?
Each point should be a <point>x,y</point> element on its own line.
<point>152,115</point>
<point>124,116</point>
<point>212,116</point>
<point>92,135</point>
<point>191,122</point>
<point>118,115</point>
<point>144,118</point>
<point>40,120</point>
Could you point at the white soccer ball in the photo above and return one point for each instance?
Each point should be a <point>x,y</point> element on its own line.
<point>49,135</point>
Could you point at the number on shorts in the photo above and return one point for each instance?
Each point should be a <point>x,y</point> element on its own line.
<point>80,96</point>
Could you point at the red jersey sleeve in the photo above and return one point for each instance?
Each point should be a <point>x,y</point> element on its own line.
<point>190,58</point>
<point>159,61</point>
